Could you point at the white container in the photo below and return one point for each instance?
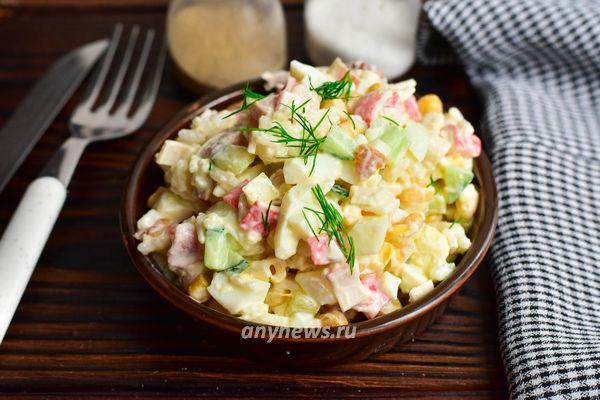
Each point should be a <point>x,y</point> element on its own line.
<point>216,43</point>
<point>380,32</point>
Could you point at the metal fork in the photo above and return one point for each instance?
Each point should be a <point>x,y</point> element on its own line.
<point>33,220</point>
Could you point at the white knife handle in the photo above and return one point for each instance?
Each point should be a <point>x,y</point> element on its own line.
<point>23,241</point>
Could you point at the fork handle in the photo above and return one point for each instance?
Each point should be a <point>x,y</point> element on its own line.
<point>24,239</point>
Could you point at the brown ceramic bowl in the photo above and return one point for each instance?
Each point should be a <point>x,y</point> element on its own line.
<point>372,336</point>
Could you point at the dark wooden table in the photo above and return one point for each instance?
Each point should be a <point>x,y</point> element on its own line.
<point>89,326</point>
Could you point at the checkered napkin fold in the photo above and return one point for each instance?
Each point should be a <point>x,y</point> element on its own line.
<point>536,64</point>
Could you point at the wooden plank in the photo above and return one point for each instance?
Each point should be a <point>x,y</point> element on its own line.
<point>89,326</point>
<point>97,5</point>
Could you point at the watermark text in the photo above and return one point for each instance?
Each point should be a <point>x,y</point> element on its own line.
<point>272,332</point>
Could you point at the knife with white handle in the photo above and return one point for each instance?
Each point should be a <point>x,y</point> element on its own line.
<point>118,115</point>
<point>43,102</point>
<point>26,234</point>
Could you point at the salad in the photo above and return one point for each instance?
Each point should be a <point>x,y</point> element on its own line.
<point>337,197</point>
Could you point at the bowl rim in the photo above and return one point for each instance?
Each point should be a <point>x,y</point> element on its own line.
<point>174,295</point>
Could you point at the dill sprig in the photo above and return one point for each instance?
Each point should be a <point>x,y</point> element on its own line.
<point>393,121</point>
<point>294,109</point>
<point>351,119</point>
<point>431,181</point>
<point>454,222</point>
<point>332,223</point>
<point>340,190</point>
<point>308,144</point>
<point>334,89</point>
<point>432,184</point>
<point>265,217</point>
<point>248,94</point>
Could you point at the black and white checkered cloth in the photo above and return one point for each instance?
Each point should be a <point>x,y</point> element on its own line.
<point>536,64</point>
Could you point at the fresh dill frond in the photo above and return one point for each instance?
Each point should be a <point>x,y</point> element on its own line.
<point>309,144</point>
<point>393,121</point>
<point>340,190</point>
<point>432,183</point>
<point>351,119</point>
<point>265,217</point>
<point>294,109</point>
<point>308,222</point>
<point>454,222</point>
<point>332,223</point>
<point>248,94</point>
<point>334,89</point>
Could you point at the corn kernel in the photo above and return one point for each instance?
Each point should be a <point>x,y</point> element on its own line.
<point>197,289</point>
<point>333,318</point>
<point>199,282</point>
<point>430,103</point>
<point>348,128</point>
<point>416,195</point>
<point>433,218</point>
<point>334,103</point>
<point>375,87</point>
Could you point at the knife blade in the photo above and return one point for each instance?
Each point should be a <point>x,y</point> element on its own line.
<point>43,102</point>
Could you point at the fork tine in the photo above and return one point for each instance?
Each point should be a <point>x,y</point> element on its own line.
<point>118,81</point>
<point>137,77</point>
<point>150,91</point>
<point>96,85</point>
<point>98,124</point>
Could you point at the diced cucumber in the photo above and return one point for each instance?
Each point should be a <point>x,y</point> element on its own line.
<point>455,181</point>
<point>218,254</point>
<point>339,144</point>
<point>397,140</point>
<point>216,249</point>
<point>419,139</point>
<point>239,267</point>
<point>233,158</point>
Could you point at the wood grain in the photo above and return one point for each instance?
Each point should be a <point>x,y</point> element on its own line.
<point>88,326</point>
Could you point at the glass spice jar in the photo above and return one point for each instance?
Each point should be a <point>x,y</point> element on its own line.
<point>215,43</point>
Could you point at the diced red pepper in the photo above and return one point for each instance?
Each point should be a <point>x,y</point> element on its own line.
<point>377,299</point>
<point>393,101</point>
<point>367,161</point>
<point>467,145</point>
<point>318,249</point>
<point>353,77</point>
<point>233,197</point>
<point>254,220</point>
<point>367,105</point>
<point>412,108</point>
